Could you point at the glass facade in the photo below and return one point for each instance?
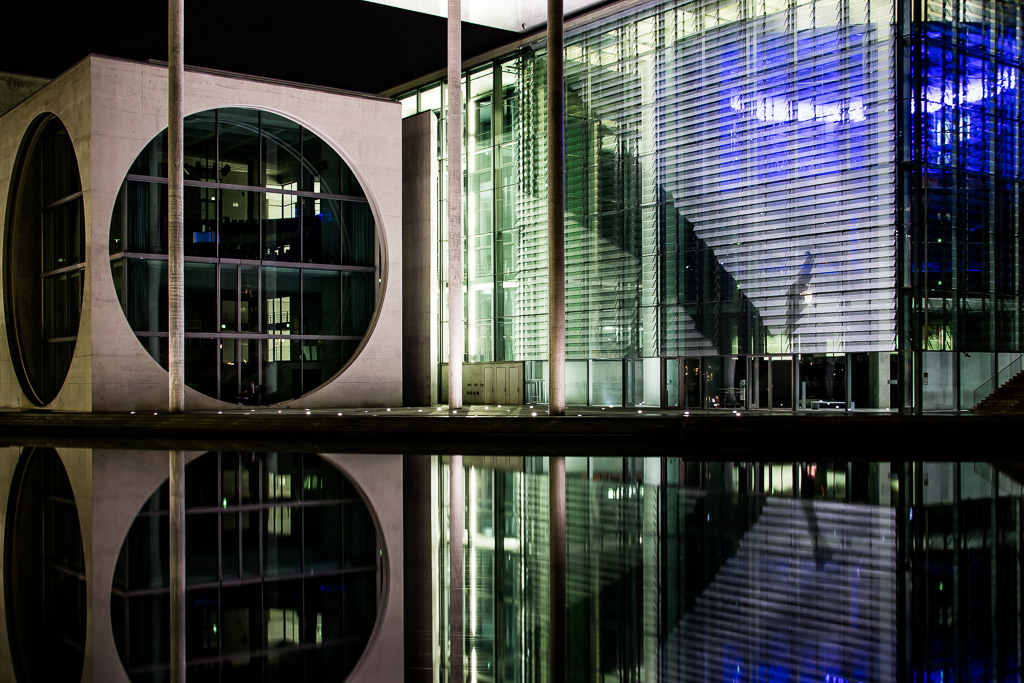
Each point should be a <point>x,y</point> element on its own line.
<point>962,187</point>
<point>282,260</point>
<point>282,573</point>
<point>741,571</point>
<point>44,260</point>
<point>745,213</point>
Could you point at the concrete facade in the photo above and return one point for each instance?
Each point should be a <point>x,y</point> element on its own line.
<point>419,234</point>
<point>112,109</point>
<point>110,488</point>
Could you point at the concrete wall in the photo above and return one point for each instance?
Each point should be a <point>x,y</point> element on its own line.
<point>68,98</point>
<point>15,89</point>
<point>110,488</point>
<point>112,109</point>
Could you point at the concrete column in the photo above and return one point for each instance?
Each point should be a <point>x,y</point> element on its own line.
<point>455,333</point>
<point>419,275</point>
<point>556,210</point>
<point>176,326</point>
<point>175,203</point>
<point>177,564</point>
<point>456,524</point>
<point>557,564</point>
<point>417,514</point>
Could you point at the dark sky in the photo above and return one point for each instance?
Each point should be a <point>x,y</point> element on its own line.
<point>339,43</point>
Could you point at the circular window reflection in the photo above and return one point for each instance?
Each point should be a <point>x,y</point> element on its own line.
<point>282,258</point>
<point>282,573</point>
<point>44,572</point>
<point>44,259</point>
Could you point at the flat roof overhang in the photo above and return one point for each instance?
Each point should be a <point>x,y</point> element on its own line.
<point>510,15</point>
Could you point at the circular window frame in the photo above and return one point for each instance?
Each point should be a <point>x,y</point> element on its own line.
<point>29,665</point>
<point>17,233</point>
<point>268,506</point>
<point>379,270</point>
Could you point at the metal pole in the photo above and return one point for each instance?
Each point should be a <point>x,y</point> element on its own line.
<point>456,524</point>
<point>556,211</point>
<point>455,333</point>
<point>176,342</point>
<point>556,581</point>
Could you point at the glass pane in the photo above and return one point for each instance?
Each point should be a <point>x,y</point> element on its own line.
<point>281,300</point>
<point>147,295</point>
<point>323,481</point>
<point>282,605</point>
<point>357,302</point>
<point>239,223</point>
<point>200,297</point>
<point>249,320</point>
<point>250,531</point>
<point>229,546</point>
<point>147,552</point>
<point>357,234</point>
<point>202,631</point>
<point>239,147</point>
<point>321,230</point>
<point>282,540</point>
<point>146,217</point>
<point>201,544</point>
<point>321,302</point>
<point>321,170</point>
<point>282,367</point>
<point>281,227</point>
<point>201,483</point>
<point>200,147</point>
<point>229,387</point>
<point>284,475</point>
<point>228,298</point>
<point>200,236</point>
<point>323,529</point>
<point>242,627</point>
<point>321,360</point>
<point>360,536</point>
<point>281,153</point>
<point>201,365</point>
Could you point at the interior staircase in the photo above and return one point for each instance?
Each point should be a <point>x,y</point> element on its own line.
<point>1008,398</point>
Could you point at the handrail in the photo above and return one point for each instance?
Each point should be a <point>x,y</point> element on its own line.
<point>1015,364</point>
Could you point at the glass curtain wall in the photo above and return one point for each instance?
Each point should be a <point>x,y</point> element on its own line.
<point>730,191</point>
<point>282,263</point>
<point>962,101</point>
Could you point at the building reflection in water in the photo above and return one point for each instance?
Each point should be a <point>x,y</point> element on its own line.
<point>684,571</point>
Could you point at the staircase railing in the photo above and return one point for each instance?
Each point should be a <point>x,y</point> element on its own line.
<point>994,382</point>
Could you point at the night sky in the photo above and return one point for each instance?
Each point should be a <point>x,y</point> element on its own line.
<point>341,43</point>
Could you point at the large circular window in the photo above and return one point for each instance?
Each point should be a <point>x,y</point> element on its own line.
<point>43,259</point>
<point>282,573</point>
<point>44,572</point>
<point>282,259</point>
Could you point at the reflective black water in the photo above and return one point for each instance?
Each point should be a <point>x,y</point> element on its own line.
<point>744,571</point>
<point>675,570</point>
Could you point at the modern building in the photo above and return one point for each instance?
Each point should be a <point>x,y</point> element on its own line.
<point>294,566</point>
<point>770,205</point>
<point>293,247</point>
